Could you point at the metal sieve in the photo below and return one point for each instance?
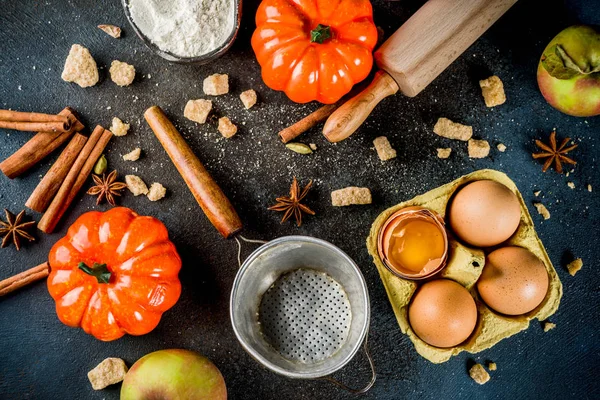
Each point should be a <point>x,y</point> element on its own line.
<point>300,307</point>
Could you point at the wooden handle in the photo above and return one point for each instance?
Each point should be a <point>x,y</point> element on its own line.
<point>209,196</point>
<point>346,119</point>
<point>436,35</point>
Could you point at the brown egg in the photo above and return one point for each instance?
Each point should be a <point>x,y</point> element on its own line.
<point>484,213</point>
<point>442,313</point>
<point>513,281</point>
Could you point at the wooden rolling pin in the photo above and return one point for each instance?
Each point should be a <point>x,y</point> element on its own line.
<point>208,194</point>
<point>421,49</point>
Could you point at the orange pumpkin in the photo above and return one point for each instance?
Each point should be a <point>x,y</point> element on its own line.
<point>314,49</point>
<point>114,273</point>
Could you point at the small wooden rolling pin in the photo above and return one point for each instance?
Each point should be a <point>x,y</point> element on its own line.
<point>421,49</point>
<point>208,194</point>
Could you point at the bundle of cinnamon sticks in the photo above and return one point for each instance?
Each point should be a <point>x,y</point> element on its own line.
<point>66,177</point>
<point>34,122</point>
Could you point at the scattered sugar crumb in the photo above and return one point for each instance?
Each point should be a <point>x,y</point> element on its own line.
<point>537,194</point>
<point>118,127</point>
<point>492,90</point>
<point>478,148</point>
<point>444,153</point>
<point>136,185</point>
<point>385,151</point>
<point>108,372</point>
<point>80,67</point>
<point>351,196</point>
<point>548,326</point>
<point>501,147</point>
<point>133,155</point>
<point>571,185</point>
<point>542,210</point>
<point>197,110</point>
<point>156,192</point>
<point>312,146</point>
<point>574,266</point>
<point>452,130</point>
<point>589,188</point>
<point>492,366</point>
<point>216,85</point>
<point>248,98</point>
<point>226,127</point>
<point>479,374</point>
<point>122,73</point>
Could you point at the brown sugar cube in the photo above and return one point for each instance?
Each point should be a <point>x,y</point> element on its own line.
<point>492,366</point>
<point>478,148</point>
<point>226,127</point>
<point>548,326</point>
<point>249,98</point>
<point>492,89</point>
<point>80,67</point>
<point>156,192</point>
<point>479,374</point>
<point>118,127</point>
<point>351,195</point>
<point>444,153</point>
<point>574,266</point>
<point>122,73</point>
<point>108,372</point>
<point>197,110</point>
<point>542,210</point>
<point>216,85</point>
<point>136,185</point>
<point>452,130</point>
<point>133,155</point>
<point>384,148</point>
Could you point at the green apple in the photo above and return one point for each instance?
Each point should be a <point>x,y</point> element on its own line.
<point>569,71</point>
<point>173,374</point>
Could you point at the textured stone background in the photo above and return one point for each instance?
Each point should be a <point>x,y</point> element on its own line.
<point>42,359</point>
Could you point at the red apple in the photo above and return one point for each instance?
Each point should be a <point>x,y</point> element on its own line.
<point>569,71</point>
<point>174,374</point>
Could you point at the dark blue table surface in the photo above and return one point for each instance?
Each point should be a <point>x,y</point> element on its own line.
<point>42,359</point>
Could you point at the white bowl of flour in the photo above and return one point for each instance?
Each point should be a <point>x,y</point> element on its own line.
<point>185,31</point>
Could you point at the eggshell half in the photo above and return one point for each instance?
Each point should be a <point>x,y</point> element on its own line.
<point>514,281</point>
<point>442,313</point>
<point>484,213</point>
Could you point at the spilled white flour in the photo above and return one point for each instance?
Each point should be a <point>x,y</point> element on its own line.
<point>185,28</point>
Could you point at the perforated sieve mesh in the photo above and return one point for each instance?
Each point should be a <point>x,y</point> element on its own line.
<point>305,315</point>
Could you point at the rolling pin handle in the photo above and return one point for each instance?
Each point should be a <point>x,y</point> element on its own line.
<point>349,117</point>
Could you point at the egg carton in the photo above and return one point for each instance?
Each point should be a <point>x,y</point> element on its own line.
<point>464,265</point>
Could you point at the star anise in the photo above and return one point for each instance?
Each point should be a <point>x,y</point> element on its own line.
<point>14,229</point>
<point>291,205</point>
<point>554,154</point>
<point>106,187</point>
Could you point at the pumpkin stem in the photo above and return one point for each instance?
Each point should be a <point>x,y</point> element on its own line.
<point>99,271</point>
<point>320,34</point>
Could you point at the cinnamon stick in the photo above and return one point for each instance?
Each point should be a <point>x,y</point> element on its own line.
<point>55,127</point>
<point>307,122</point>
<point>209,196</point>
<point>49,185</point>
<point>19,116</point>
<point>24,278</point>
<point>92,149</point>
<point>87,168</point>
<point>38,147</point>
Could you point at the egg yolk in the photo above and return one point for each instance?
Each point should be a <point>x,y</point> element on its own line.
<point>416,245</point>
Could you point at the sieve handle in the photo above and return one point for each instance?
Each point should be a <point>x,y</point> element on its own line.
<point>373,374</point>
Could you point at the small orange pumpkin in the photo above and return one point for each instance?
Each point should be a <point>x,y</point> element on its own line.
<point>314,49</point>
<point>114,273</point>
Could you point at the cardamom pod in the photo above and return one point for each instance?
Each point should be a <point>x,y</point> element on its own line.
<point>101,165</point>
<point>299,148</point>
